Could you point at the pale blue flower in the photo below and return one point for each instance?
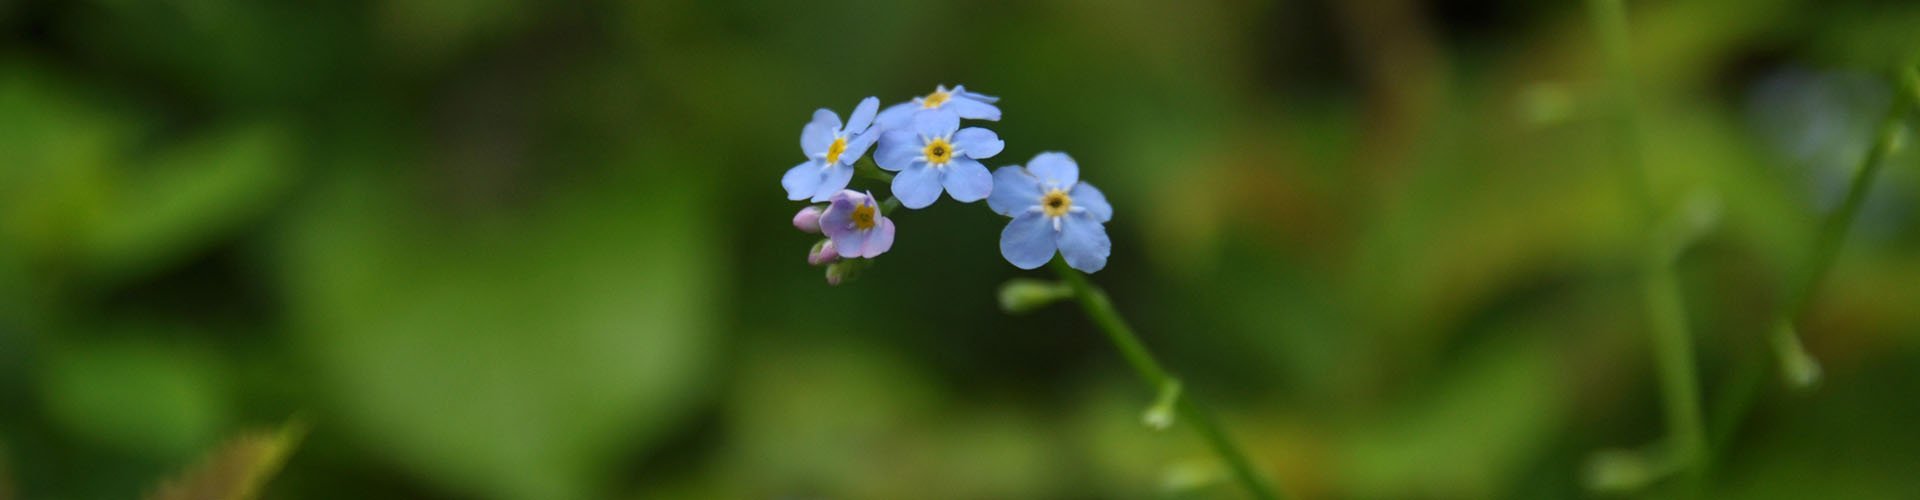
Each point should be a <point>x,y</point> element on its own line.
<point>831,150</point>
<point>968,105</point>
<point>856,225</point>
<point>935,154</point>
<point>1051,210</point>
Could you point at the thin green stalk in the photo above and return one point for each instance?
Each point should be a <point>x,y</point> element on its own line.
<point>1673,353</point>
<point>1100,309</point>
<point>1833,232</point>
<point>1666,312</point>
<point>1799,369</point>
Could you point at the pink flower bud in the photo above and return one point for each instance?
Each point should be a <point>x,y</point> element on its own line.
<point>808,219</point>
<point>823,253</point>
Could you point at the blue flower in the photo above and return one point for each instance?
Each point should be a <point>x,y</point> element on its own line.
<point>831,150</point>
<point>856,226</point>
<point>969,105</point>
<point>1051,210</point>
<point>936,153</point>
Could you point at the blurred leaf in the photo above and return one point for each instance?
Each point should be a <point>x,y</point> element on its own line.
<point>74,196</point>
<point>507,355</point>
<point>187,195</point>
<point>60,151</point>
<point>238,470</point>
<point>161,401</point>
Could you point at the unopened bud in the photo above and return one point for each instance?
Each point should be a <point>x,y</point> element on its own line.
<point>1799,369</point>
<point>1618,471</point>
<point>823,253</point>
<point>840,272</point>
<point>1160,416</point>
<point>1022,295</point>
<point>808,219</point>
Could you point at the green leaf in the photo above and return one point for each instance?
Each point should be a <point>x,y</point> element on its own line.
<point>186,196</point>
<point>151,399</point>
<point>507,355</point>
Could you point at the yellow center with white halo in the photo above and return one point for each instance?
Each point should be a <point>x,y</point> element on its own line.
<point>839,147</point>
<point>938,152</point>
<point>863,217</point>
<point>935,99</point>
<point>1056,203</point>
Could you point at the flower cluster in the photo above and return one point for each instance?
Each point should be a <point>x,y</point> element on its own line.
<point>927,152</point>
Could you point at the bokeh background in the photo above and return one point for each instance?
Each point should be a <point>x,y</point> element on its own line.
<point>511,249</point>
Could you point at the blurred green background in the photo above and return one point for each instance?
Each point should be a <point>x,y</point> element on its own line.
<point>538,250</point>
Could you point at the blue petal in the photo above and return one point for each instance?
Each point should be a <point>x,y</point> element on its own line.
<point>936,123</point>
<point>978,143</point>
<point>1014,191</point>
<point>1083,241</point>
<point>896,116</point>
<point>857,147</point>
<point>850,242</point>
<point>802,180</point>
<point>1085,196</point>
<point>917,186</point>
<point>1027,242</point>
<point>832,181</point>
<point>862,115</point>
<point>898,150</point>
<point>967,181</point>
<point>818,133</point>
<point>961,90</point>
<point>972,109</point>
<point>1055,170</point>
<point>879,240</point>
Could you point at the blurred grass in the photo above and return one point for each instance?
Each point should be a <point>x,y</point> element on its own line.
<point>508,249</point>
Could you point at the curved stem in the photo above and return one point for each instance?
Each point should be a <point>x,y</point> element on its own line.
<point>1666,312</point>
<point>1100,309</point>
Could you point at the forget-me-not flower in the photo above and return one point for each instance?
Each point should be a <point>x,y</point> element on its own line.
<point>968,105</point>
<point>1051,210</point>
<point>854,223</point>
<point>831,150</point>
<point>935,154</point>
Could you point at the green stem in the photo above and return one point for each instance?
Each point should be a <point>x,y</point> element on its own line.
<point>1100,309</point>
<point>1666,312</point>
<point>1833,232</point>
<point>1798,368</point>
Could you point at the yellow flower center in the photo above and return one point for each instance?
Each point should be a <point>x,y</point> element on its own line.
<point>836,149</point>
<point>935,99</point>
<point>863,217</point>
<point>938,152</point>
<point>1056,203</point>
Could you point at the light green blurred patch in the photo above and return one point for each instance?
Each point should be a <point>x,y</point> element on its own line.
<point>1468,433</point>
<point>143,397</point>
<point>60,153</point>
<point>504,355</point>
<point>843,420</point>
<point>1128,459</point>
<point>830,418</point>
